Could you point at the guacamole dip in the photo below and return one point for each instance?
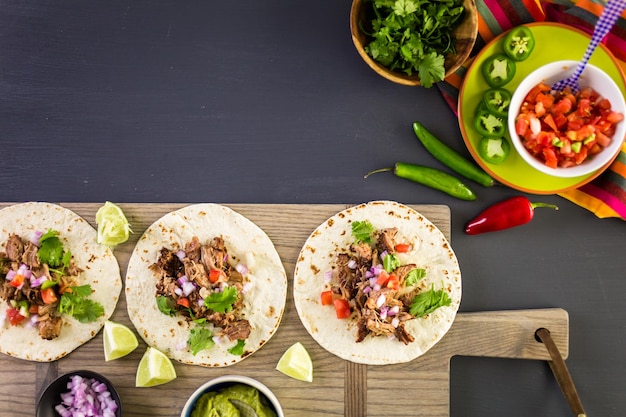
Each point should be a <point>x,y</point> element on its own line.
<point>217,403</point>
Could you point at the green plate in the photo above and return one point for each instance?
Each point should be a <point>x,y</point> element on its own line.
<point>553,42</point>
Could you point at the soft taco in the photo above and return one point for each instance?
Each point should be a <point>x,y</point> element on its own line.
<point>377,283</point>
<point>205,286</point>
<point>57,285</point>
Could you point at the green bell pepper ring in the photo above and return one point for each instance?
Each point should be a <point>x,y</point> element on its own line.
<point>519,43</point>
<point>496,101</point>
<point>488,124</point>
<point>494,150</point>
<point>498,70</point>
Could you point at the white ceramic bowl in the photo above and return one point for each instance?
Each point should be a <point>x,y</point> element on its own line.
<point>225,381</point>
<point>592,77</point>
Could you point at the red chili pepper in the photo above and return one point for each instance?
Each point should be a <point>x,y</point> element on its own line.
<point>511,212</point>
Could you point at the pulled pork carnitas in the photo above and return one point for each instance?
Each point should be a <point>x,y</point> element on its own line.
<point>372,283</point>
<point>197,273</point>
<point>31,287</point>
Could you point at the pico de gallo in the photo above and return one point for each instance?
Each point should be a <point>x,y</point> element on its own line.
<point>370,283</point>
<point>563,129</point>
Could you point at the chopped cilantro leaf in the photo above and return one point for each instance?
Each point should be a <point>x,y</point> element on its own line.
<point>50,249</point>
<point>362,231</point>
<point>75,303</point>
<point>166,305</point>
<point>427,302</point>
<point>238,348</point>
<point>200,338</point>
<point>222,302</point>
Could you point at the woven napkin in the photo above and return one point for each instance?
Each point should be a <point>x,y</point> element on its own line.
<point>605,196</point>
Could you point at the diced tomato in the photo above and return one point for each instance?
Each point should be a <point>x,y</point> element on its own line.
<point>393,282</point>
<point>602,139</point>
<point>549,157</point>
<point>402,247</point>
<point>342,308</point>
<point>382,279</point>
<point>214,275</point>
<point>14,316</point>
<point>549,120</point>
<point>614,117</point>
<point>326,298</point>
<point>17,281</point>
<point>183,301</point>
<point>563,106</point>
<point>33,309</point>
<point>48,295</point>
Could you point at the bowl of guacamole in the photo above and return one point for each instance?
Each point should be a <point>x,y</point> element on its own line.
<point>232,396</point>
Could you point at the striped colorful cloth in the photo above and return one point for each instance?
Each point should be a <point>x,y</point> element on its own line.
<point>605,196</point>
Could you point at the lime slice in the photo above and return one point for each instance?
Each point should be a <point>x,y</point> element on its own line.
<point>296,363</point>
<point>113,227</point>
<point>119,340</point>
<point>154,369</point>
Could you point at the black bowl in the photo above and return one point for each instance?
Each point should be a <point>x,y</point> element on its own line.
<point>51,396</point>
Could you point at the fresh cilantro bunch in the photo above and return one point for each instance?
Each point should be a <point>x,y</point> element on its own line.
<point>413,36</point>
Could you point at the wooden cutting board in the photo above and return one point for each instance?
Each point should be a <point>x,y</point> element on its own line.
<point>339,388</point>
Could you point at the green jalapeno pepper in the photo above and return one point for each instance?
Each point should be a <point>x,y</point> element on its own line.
<point>496,101</point>
<point>494,150</point>
<point>488,124</point>
<point>432,178</point>
<point>451,158</point>
<point>519,43</point>
<point>498,70</point>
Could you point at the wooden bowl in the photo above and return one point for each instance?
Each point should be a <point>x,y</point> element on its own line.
<point>464,35</point>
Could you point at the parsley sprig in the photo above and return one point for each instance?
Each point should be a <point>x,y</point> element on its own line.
<point>412,36</point>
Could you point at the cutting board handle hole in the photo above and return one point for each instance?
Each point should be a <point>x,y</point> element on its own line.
<point>537,338</point>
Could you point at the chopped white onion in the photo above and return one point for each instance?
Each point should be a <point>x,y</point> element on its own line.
<point>395,322</point>
<point>535,126</point>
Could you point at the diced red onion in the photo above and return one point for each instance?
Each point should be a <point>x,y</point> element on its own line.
<point>395,322</point>
<point>35,236</point>
<point>182,280</point>
<point>34,319</point>
<point>217,339</point>
<point>380,300</point>
<point>178,291</point>
<point>25,271</point>
<point>376,287</point>
<point>36,282</point>
<point>247,287</point>
<point>383,312</point>
<point>393,311</point>
<point>200,302</point>
<point>10,275</point>
<point>181,255</point>
<point>369,274</point>
<point>352,264</point>
<point>373,281</point>
<point>188,288</point>
<point>383,254</point>
<point>87,397</point>
<point>367,290</point>
<point>328,276</point>
<point>242,269</point>
<point>181,345</point>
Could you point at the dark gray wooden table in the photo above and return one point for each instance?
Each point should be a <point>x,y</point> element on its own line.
<point>268,102</point>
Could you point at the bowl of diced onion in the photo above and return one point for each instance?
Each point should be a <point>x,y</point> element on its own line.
<point>76,392</point>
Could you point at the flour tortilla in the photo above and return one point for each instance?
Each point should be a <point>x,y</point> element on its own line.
<point>264,302</point>
<point>100,270</point>
<point>431,252</point>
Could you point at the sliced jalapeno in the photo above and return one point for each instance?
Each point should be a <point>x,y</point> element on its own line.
<point>494,149</point>
<point>497,100</point>
<point>498,70</point>
<point>488,124</point>
<point>519,43</point>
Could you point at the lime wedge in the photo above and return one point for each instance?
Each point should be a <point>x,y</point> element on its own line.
<point>154,369</point>
<point>119,340</point>
<point>296,363</point>
<point>113,227</point>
